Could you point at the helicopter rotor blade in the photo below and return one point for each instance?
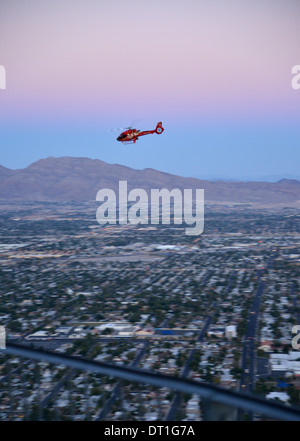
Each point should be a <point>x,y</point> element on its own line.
<point>122,129</point>
<point>119,129</point>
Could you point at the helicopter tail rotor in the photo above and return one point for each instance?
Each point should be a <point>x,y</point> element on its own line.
<point>159,128</point>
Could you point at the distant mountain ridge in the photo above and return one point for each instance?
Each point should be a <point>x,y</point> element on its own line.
<point>79,179</point>
<point>267,178</point>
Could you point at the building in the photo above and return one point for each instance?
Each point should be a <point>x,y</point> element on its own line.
<point>216,332</point>
<point>285,363</point>
<point>265,345</point>
<point>283,396</point>
<point>230,331</point>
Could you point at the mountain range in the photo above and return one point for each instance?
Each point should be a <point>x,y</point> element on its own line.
<point>79,179</point>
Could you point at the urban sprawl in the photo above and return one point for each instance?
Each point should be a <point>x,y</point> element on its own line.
<point>218,308</point>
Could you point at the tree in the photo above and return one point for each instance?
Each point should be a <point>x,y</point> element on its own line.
<point>294,395</point>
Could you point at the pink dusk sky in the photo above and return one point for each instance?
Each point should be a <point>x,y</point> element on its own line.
<point>81,63</point>
<point>97,59</point>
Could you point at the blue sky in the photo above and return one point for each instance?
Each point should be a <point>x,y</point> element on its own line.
<point>244,151</point>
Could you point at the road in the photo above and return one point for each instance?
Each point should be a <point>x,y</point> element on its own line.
<point>116,391</point>
<point>248,356</point>
<point>247,380</point>
<point>177,399</point>
<point>186,369</point>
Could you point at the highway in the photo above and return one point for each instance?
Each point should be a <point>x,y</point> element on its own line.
<point>248,355</point>
<point>248,362</point>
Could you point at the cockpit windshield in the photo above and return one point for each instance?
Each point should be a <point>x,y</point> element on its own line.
<point>122,136</point>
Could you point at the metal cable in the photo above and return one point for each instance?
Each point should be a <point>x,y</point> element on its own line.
<point>208,392</point>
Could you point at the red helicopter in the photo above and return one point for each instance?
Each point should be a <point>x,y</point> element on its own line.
<point>130,136</point>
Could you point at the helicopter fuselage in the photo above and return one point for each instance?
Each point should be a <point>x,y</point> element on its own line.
<point>132,135</point>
